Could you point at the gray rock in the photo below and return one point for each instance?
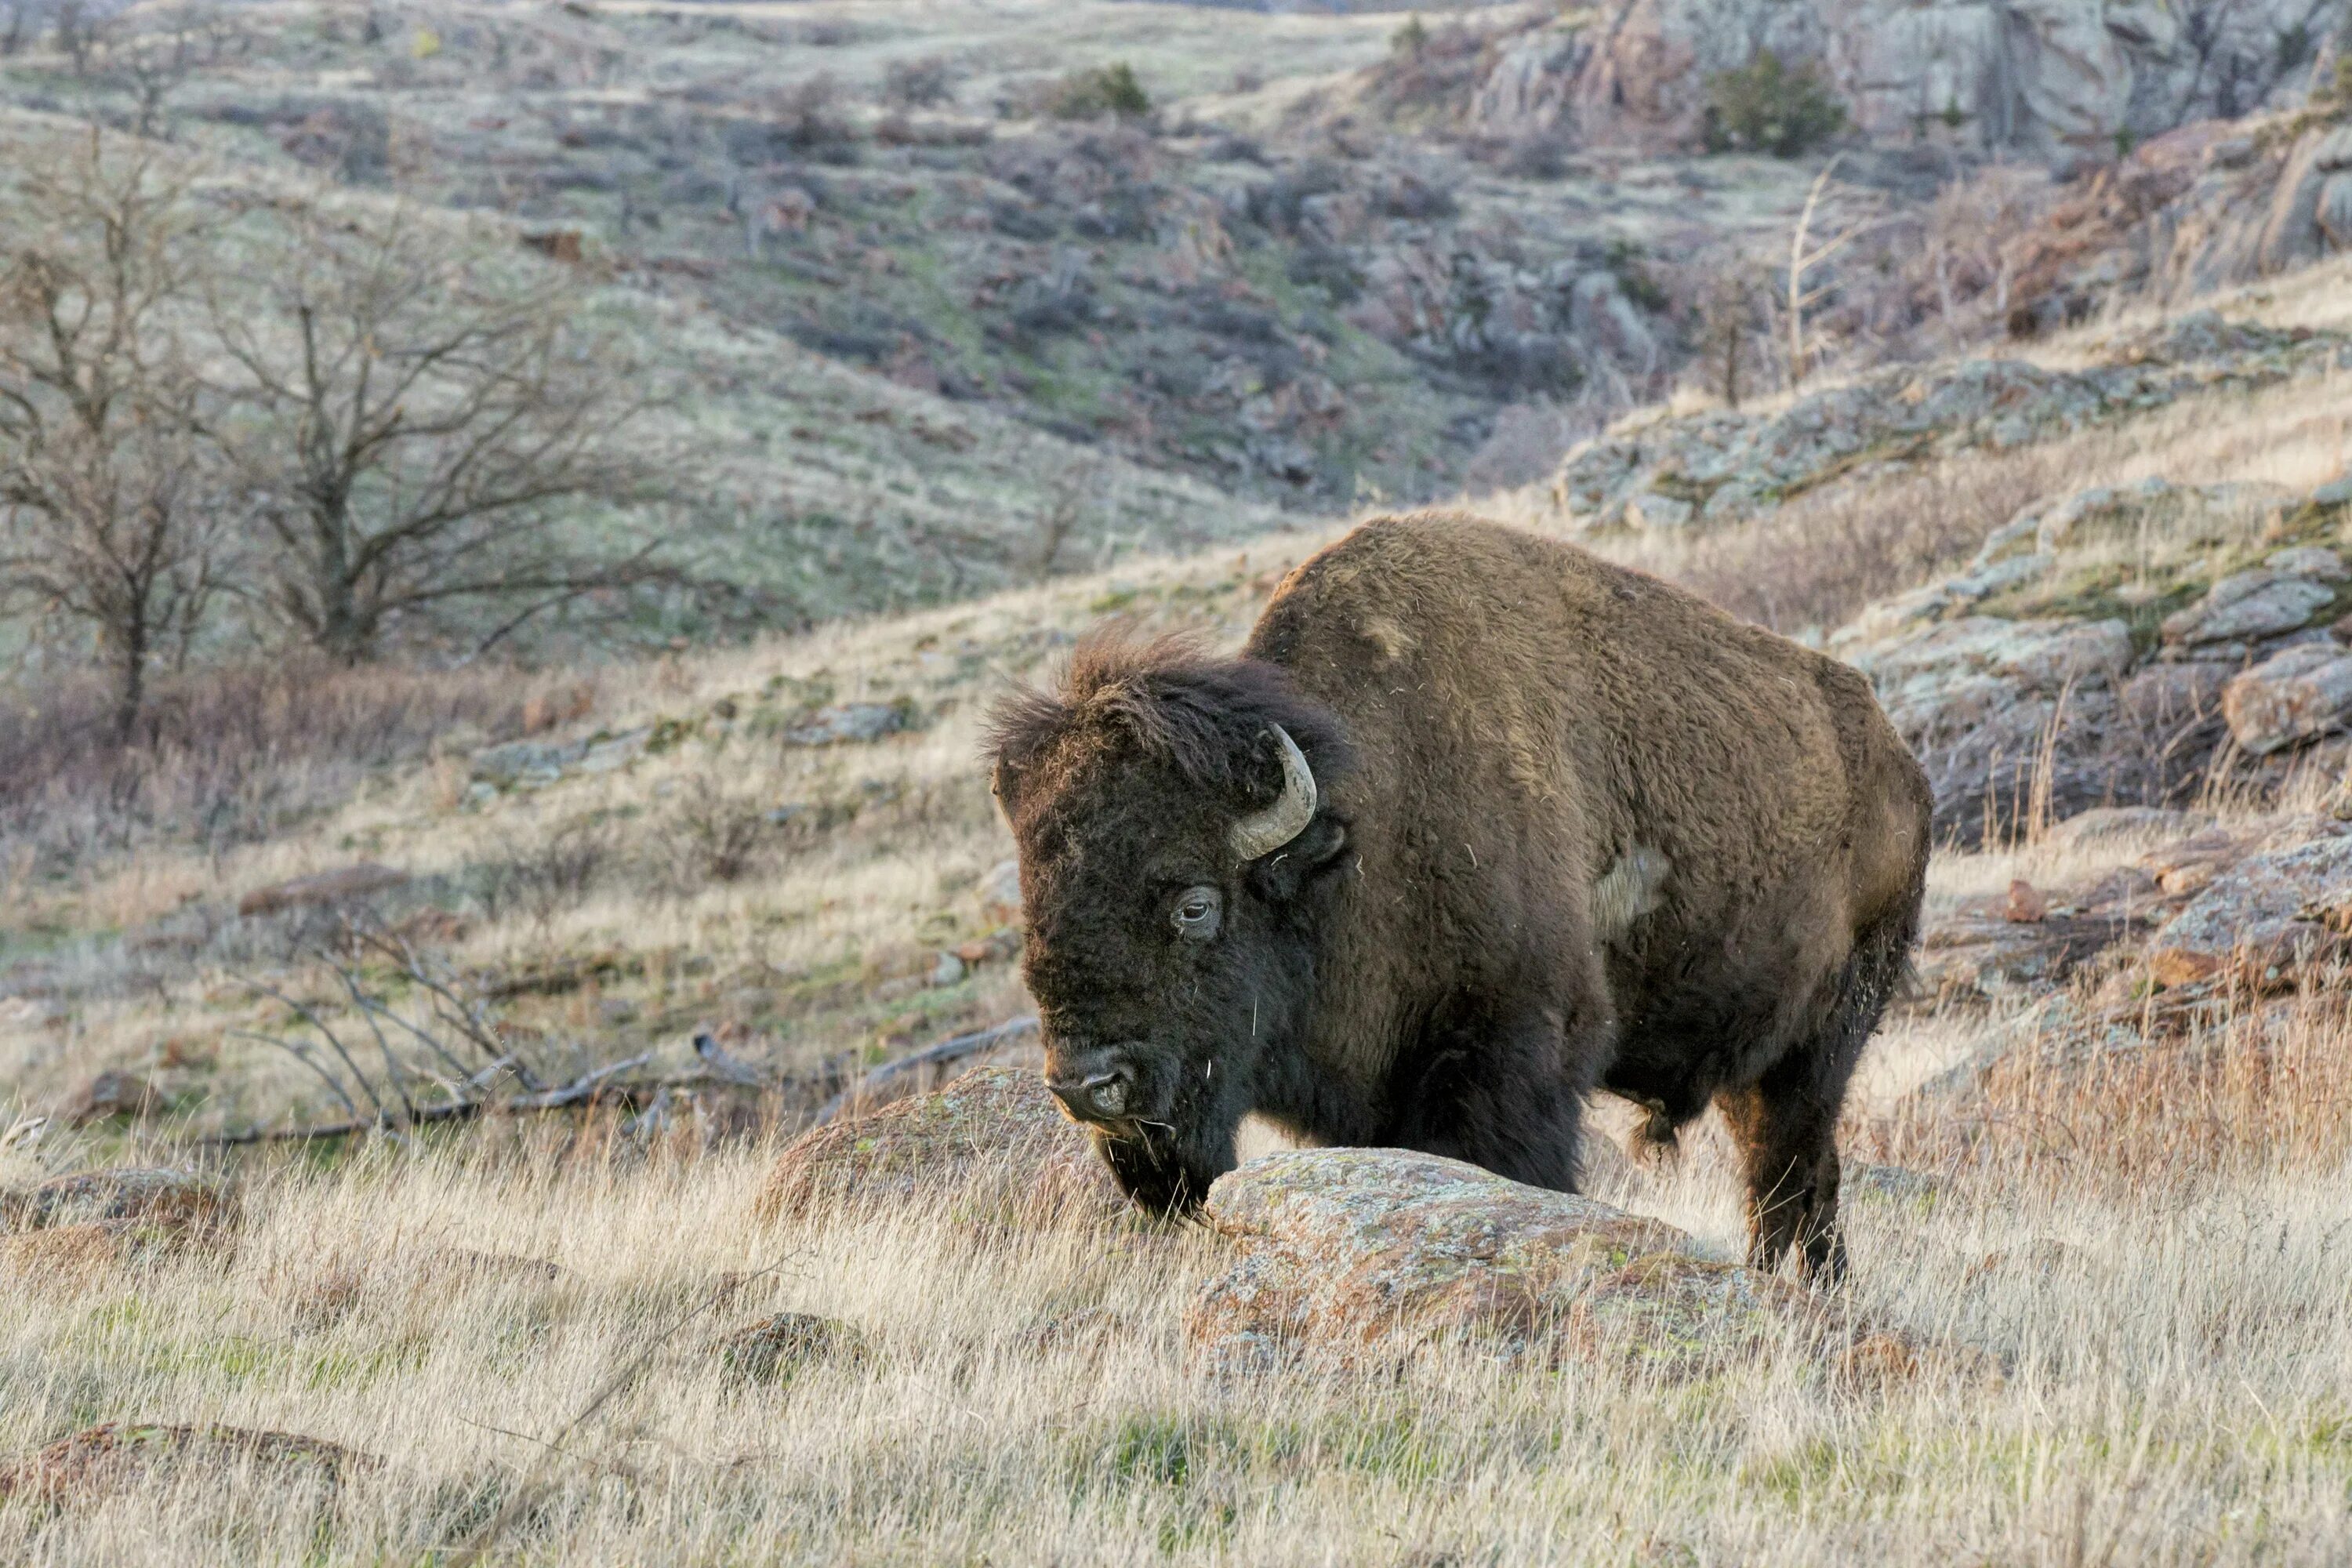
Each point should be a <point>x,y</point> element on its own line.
<point>2336,492</point>
<point>2114,825</point>
<point>1976,697</point>
<point>524,763</point>
<point>2293,695</point>
<point>2308,560</point>
<point>849,721</point>
<point>2249,606</point>
<point>1651,510</point>
<point>2269,917</point>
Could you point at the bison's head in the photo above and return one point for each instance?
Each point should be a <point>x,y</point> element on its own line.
<point>1174,843</point>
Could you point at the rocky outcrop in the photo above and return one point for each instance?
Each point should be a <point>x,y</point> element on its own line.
<point>2051,79</point>
<point>991,1149</point>
<point>2017,702</point>
<point>1356,1256</point>
<point>1724,464</point>
<point>2209,204</point>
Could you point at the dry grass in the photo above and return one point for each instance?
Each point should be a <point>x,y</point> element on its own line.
<point>2177,1337</point>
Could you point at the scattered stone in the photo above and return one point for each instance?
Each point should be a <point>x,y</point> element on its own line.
<point>1977,699</point>
<point>1358,1255</point>
<point>2104,824</point>
<point>996,947</point>
<point>1859,1178</point>
<point>849,721</point>
<point>525,764</point>
<point>2025,906</point>
<point>108,1094</point>
<point>175,1203</point>
<point>340,886</point>
<point>2295,695</point>
<point>2267,919</point>
<point>947,970</point>
<point>776,1349</point>
<point>991,1149</point>
<point>107,1458</point>
<point>1000,894</point>
<point>1977,948</point>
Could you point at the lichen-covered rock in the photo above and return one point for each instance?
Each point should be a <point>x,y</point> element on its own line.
<point>2295,695</point>
<point>2249,606</point>
<point>178,1204</point>
<point>1903,415</point>
<point>990,1148</point>
<point>105,1458</point>
<point>2267,919</point>
<point>1979,700</point>
<point>1353,1255</point>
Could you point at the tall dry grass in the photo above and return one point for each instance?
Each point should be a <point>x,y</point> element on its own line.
<point>2177,1344</point>
<point>233,756</point>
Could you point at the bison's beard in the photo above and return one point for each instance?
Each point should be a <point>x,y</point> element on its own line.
<point>1165,1159</point>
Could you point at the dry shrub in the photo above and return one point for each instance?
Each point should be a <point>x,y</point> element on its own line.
<point>2237,1087</point>
<point>715,837</point>
<point>1820,558</point>
<point>231,755</point>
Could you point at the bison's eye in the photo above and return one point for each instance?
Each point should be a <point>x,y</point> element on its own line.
<point>1198,913</point>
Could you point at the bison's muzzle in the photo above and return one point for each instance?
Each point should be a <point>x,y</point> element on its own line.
<point>1094,1085</point>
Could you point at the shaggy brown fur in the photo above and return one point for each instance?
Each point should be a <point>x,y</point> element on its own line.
<point>1575,826</point>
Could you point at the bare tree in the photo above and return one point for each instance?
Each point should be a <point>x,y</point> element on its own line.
<point>151,65</point>
<point>107,513</point>
<point>1804,256</point>
<point>82,36</point>
<point>410,416</point>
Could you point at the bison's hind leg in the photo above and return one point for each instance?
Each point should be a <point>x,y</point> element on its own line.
<point>1787,1150</point>
<point>1785,1122</point>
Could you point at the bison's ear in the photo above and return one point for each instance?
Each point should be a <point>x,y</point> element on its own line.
<point>1284,874</point>
<point>1001,780</point>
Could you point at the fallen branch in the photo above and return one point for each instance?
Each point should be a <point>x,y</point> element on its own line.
<point>580,1090</point>
<point>953,1049</point>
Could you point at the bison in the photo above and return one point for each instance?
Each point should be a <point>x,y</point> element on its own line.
<point>1475,823</point>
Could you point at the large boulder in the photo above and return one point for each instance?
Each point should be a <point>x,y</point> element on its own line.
<point>1356,1256</point>
<point>992,1149</point>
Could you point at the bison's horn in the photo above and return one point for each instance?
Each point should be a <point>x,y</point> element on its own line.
<point>1262,833</point>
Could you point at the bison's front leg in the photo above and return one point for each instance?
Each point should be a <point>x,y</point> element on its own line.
<point>1151,1173</point>
<point>1507,1093</point>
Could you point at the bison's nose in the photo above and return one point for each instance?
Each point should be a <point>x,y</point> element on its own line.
<point>1096,1089</point>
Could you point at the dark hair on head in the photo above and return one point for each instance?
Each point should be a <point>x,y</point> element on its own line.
<point>1175,702</point>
